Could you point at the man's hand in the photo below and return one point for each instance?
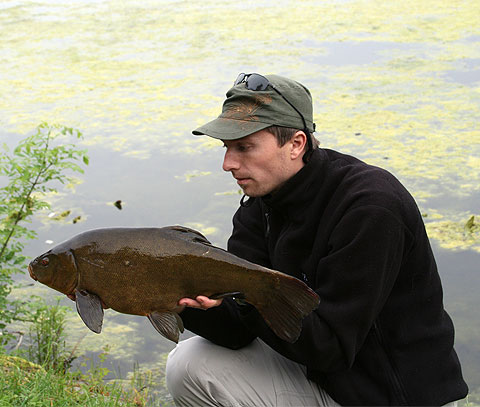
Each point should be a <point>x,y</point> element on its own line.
<point>200,302</point>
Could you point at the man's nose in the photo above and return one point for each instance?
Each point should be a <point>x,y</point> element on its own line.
<point>230,163</point>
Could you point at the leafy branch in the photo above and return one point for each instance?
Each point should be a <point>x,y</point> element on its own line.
<point>32,170</point>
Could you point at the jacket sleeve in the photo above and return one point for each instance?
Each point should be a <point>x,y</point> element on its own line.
<point>220,325</point>
<point>353,281</point>
<point>224,325</point>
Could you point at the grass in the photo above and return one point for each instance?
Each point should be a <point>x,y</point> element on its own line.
<point>48,388</point>
<point>42,375</point>
<point>23,383</point>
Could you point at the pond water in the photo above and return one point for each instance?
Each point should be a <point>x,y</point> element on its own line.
<point>397,85</point>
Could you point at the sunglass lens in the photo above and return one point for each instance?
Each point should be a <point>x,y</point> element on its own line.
<point>257,82</point>
<point>240,78</point>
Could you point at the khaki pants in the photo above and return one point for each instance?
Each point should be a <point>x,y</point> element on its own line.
<point>200,373</point>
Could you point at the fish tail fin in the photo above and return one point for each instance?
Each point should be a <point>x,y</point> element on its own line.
<point>285,309</point>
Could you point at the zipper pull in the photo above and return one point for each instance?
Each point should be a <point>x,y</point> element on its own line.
<point>267,228</point>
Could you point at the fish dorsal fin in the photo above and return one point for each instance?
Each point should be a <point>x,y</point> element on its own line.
<point>89,307</point>
<point>167,324</point>
<point>190,234</point>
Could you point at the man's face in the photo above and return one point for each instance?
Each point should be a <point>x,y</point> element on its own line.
<point>258,163</point>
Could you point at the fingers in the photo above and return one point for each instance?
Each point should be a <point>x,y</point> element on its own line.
<point>201,302</point>
<point>206,302</point>
<point>188,302</point>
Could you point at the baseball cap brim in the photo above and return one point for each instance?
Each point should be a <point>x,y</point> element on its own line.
<point>229,129</point>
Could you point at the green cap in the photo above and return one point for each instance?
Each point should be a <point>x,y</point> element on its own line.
<point>247,111</point>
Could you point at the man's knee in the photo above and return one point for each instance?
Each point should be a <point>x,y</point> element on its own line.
<point>193,371</point>
<point>187,365</point>
<point>178,363</point>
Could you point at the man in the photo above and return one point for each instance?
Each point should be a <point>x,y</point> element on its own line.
<point>380,335</point>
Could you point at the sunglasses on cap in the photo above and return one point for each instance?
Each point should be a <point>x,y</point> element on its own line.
<point>257,82</point>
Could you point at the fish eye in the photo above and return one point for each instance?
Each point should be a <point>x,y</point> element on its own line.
<point>44,262</point>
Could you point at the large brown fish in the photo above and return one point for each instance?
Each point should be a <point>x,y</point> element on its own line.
<point>145,271</point>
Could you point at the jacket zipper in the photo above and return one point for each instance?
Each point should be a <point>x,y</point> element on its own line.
<point>267,235</point>
<point>399,390</point>
<point>267,226</point>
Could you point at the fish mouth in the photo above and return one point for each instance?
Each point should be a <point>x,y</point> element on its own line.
<point>32,274</point>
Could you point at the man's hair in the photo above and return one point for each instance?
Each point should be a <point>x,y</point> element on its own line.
<point>284,134</point>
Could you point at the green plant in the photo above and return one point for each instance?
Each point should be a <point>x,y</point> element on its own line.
<point>46,337</point>
<point>49,381</point>
<point>33,169</point>
<point>97,372</point>
<point>149,385</point>
<point>49,388</point>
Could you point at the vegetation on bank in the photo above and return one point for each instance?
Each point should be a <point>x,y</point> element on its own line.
<point>42,374</point>
<point>36,365</point>
<point>31,170</point>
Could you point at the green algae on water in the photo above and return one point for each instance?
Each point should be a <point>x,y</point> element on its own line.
<point>393,82</point>
<point>456,235</point>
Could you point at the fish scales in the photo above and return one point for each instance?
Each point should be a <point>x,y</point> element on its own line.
<point>141,271</point>
<point>145,271</point>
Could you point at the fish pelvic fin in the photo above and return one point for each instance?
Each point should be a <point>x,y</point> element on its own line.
<point>89,307</point>
<point>286,307</point>
<point>167,323</point>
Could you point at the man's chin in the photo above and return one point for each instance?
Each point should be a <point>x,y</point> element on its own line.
<point>252,194</point>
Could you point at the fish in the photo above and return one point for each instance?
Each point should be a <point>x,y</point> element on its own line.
<point>146,271</point>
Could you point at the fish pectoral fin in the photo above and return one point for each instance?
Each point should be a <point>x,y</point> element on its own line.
<point>89,307</point>
<point>167,324</point>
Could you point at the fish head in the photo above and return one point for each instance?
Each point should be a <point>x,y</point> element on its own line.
<point>56,269</point>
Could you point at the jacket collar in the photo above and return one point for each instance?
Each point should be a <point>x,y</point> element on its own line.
<point>298,189</point>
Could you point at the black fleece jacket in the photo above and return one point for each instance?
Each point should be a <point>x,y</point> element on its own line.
<point>353,233</point>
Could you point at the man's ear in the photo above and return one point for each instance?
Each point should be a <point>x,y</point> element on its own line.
<point>299,140</point>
